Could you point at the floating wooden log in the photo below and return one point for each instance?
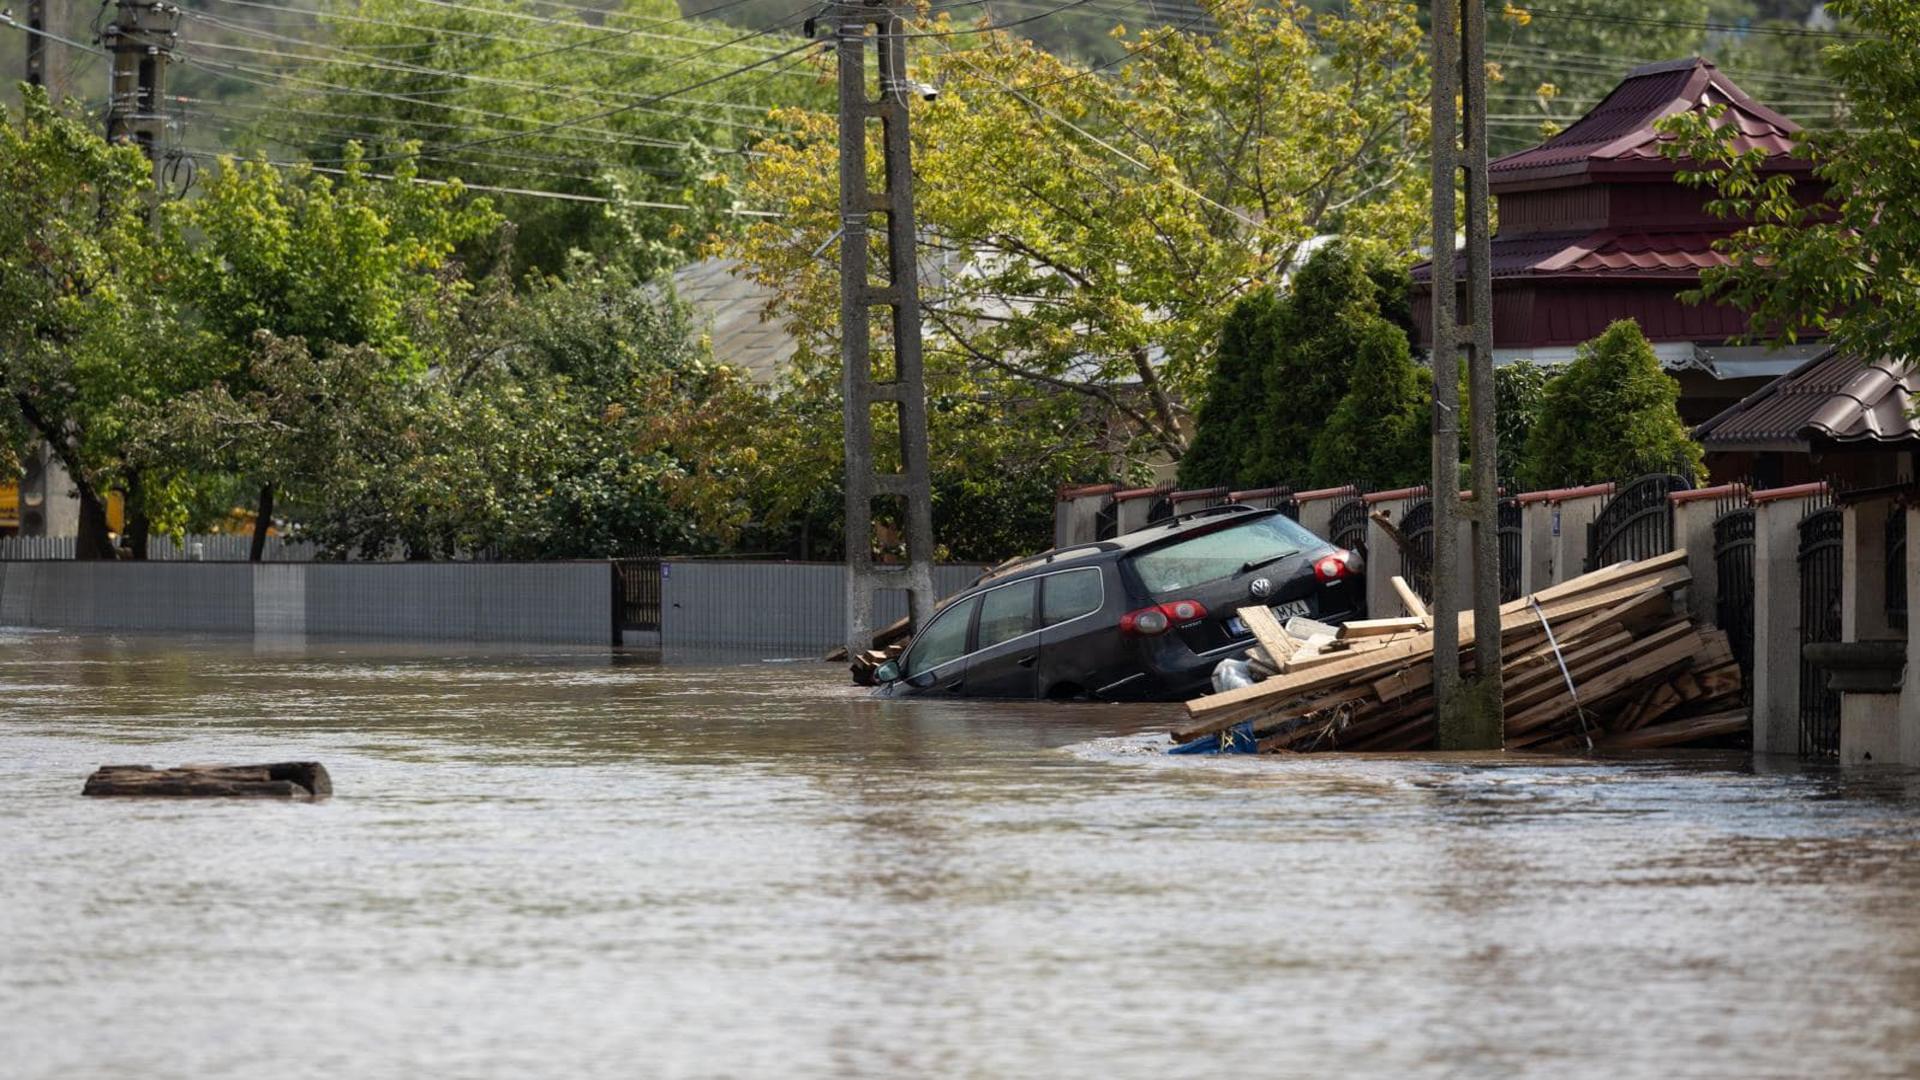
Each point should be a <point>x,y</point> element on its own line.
<point>282,780</point>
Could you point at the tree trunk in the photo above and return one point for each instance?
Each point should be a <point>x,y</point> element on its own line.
<point>263,520</point>
<point>138,526</point>
<point>93,542</point>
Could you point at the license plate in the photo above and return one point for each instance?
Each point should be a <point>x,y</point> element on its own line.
<point>1238,626</point>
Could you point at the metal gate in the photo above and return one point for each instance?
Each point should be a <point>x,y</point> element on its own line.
<point>1416,528</point>
<point>1821,536</point>
<point>1508,523</point>
<point>1106,521</point>
<point>1897,566</point>
<point>636,593</point>
<point>1349,526</point>
<point>1161,508</point>
<point>1733,573</point>
<point>1636,523</point>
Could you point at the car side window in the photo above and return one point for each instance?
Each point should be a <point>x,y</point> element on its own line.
<point>1006,613</point>
<point>1070,595</point>
<point>944,639</point>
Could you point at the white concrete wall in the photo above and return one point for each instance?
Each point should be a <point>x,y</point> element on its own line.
<point>1384,561</point>
<point>1536,545</point>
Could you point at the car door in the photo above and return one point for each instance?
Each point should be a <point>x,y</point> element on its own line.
<point>1078,653</point>
<point>1006,649</point>
<point>936,663</point>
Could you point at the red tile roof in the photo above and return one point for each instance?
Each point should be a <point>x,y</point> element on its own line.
<point>1617,137</point>
<point>1833,398</point>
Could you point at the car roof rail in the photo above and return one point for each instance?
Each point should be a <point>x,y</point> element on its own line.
<point>1208,511</point>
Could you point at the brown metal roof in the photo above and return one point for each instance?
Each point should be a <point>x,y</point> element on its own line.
<point>1833,398</point>
<point>1602,253</point>
<point>1617,137</point>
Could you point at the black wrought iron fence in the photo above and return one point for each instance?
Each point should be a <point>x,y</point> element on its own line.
<point>1822,535</point>
<point>1508,515</point>
<point>1349,525</point>
<point>1896,568</point>
<point>1416,528</point>
<point>1733,572</point>
<point>1637,522</point>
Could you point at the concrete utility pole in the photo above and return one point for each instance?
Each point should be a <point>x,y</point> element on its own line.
<point>859,24</point>
<point>1470,709</point>
<point>141,39</point>
<point>40,69</point>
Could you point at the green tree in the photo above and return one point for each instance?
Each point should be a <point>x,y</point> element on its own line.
<point>1843,261</point>
<point>78,314</point>
<point>511,94</point>
<point>1611,414</point>
<point>1379,431</point>
<point>331,261</point>
<point>1519,394</point>
<point>1093,231</point>
<point>1285,363</point>
<point>1227,424</point>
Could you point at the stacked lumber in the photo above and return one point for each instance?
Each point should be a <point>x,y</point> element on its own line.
<point>1606,660</point>
<point>868,662</point>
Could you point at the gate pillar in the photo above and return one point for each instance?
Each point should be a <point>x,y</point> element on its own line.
<point>1776,615</point>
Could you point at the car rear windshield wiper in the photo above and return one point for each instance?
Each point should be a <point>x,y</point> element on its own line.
<point>1255,564</point>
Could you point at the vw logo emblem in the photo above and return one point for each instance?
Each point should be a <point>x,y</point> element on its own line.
<point>1261,587</point>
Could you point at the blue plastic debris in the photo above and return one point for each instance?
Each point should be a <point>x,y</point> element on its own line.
<point>1237,739</point>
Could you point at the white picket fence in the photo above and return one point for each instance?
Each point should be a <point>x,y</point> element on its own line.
<point>211,547</point>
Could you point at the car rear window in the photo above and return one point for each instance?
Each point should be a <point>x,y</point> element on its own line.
<point>1215,555</point>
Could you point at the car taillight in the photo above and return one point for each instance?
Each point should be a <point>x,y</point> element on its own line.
<point>1151,621</point>
<point>1334,567</point>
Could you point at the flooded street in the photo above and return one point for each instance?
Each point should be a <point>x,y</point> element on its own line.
<point>566,866</point>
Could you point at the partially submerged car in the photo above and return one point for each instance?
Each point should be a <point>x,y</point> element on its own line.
<point>1143,617</point>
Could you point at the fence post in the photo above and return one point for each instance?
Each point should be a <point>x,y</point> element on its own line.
<point>1776,616</point>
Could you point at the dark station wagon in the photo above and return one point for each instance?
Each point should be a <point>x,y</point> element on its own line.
<point>1143,617</point>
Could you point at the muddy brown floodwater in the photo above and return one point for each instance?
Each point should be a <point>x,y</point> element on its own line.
<point>561,865</point>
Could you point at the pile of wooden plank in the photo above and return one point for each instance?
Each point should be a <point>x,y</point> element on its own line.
<point>1607,660</point>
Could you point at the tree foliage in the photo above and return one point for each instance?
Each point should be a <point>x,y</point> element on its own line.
<point>494,91</point>
<point>1091,231</point>
<point>1845,261</point>
<point>1380,431</point>
<point>1610,414</point>
<point>1519,394</point>
<point>77,302</point>
<point>1287,363</point>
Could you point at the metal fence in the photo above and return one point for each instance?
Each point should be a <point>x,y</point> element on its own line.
<point>1896,567</point>
<point>1416,528</point>
<point>1822,536</point>
<point>1508,523</point>
<point>1636,523</point>
<point>1733,571</point>
<point>1349,527</point>
<point>636,585</point>
<point>209,547</point>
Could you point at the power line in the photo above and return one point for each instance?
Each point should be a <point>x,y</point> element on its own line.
<point>1687,24</point>
<point>528,192</point>
<point>619,109</point>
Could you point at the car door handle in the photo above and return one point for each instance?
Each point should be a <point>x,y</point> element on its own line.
<point>1027,661</point>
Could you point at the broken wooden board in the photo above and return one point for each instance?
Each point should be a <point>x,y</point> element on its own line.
<point>306,780</point>
<point>1416,607</point>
